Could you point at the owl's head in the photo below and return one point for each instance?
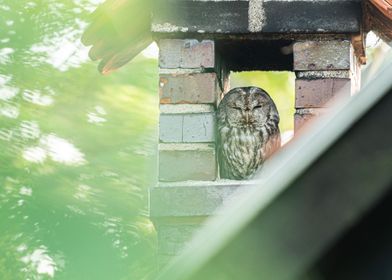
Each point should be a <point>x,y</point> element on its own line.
<point>247,107</point>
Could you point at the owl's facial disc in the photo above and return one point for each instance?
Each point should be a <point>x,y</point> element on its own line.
<point>246,114</point>
<point>247,107</point>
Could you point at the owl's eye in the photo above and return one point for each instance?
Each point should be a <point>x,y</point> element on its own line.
<point>257,107</point>
<point>237,108</point>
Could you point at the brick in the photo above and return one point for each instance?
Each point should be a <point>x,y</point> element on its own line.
<point>179,209</point>
<point>189,123</point>
<point>193,199</point>
<point>302,116</point>
<point>201,88</point>
<point>170,128</point>
<point>181,162</point>
<point>300,120</point>
<point>199,128</point>
<point>173,238</point>
<point>316,93</point>
<point>189,53</point>
<point>322,55</point>
<point>188,128</point>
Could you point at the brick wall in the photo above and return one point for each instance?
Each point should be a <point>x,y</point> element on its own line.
<point>191,83</point>
<point>189,88</point>
<point>191,80</point>
<point>324,70</point>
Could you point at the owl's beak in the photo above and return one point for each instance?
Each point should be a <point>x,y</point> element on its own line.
<point>247,116</point>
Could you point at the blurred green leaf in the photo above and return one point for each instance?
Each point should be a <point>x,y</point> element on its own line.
<point>77,151</point>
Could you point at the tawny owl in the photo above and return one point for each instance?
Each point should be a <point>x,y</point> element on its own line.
<point>248,131</point>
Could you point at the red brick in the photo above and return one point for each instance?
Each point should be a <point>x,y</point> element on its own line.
<point>198,88</point>
<point>316,93</point>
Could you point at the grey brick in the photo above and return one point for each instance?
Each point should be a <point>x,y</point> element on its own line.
<point>173,238</point>
<point>170,128</point>
<point>188,128</point>
<point>187,123</point>
<point>180,162</point>
<point>188,53</point>
<point>193,88</point>
<point>199,127</point>
<point>193,199</point>
<point>322,55</point>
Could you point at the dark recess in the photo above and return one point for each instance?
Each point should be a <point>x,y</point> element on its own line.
<point>250,55</point>
<point>364,252</point>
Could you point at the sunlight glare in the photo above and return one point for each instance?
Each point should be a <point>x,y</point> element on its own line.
<point>7,92</point>
<point>5,55</point>
<point>26,191</point>
<point>97,116</point>
<point>64,51</point>
<point>62,151</point>
<point>152,51</point>
<point>57,149</point>
<point>36,97</point>
<point>34,154</point>
<point>9,111</point>
<point>41,262</point>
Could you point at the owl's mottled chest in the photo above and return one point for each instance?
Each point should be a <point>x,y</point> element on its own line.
<point>240,151</point>
<point>248,131</point>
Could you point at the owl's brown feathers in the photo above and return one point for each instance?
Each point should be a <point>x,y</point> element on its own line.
<point>248,131</point>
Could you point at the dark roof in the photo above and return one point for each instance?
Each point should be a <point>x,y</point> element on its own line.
<point>120,29</point>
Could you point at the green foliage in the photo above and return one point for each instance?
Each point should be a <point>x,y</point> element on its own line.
<point>77,151</point>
